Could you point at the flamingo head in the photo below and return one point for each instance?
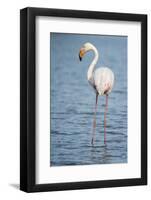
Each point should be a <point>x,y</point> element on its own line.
<point>85,48</point>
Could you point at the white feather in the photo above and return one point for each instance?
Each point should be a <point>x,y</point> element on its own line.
<point>102,77</point>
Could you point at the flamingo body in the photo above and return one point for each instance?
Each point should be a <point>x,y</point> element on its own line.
<point>101,79</point>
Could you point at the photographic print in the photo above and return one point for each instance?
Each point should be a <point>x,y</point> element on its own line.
<point>88,99</point>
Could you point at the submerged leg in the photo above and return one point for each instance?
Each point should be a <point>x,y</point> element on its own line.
<point>94,120</point>
<point>106,107</point>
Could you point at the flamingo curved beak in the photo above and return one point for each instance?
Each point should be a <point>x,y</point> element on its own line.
<point>80,58</point>
<point>81,53</point>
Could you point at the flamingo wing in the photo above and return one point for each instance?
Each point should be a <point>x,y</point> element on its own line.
<point>103,80</point>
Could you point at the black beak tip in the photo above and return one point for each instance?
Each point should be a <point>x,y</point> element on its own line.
<point>80,58</point>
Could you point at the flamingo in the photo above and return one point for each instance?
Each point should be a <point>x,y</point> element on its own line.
<point>102,81</point>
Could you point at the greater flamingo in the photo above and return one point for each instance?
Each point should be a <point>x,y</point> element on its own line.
<point>102,80</point>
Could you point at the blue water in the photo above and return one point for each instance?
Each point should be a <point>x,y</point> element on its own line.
<point>73,99</point>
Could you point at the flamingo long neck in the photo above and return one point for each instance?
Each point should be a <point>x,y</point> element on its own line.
<point>92,66</point>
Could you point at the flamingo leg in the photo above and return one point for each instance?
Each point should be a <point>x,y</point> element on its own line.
<point>94,119</point>
<point>106,107</point>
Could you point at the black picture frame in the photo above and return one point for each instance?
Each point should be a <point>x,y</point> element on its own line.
<point>28,99</point>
